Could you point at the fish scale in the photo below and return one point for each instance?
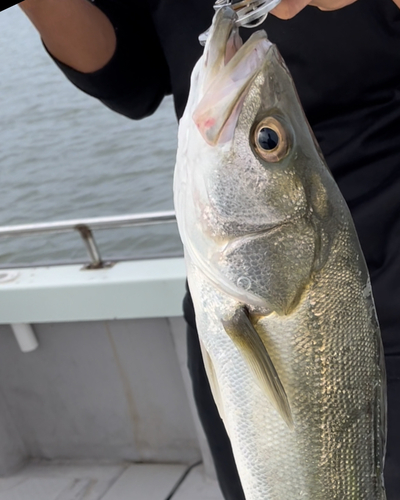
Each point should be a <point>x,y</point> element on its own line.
<point>283,302</point>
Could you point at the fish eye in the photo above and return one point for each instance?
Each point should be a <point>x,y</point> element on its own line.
<point>270,140</point>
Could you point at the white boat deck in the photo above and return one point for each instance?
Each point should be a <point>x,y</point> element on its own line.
<point>108,381</point>
<point>43,481</point>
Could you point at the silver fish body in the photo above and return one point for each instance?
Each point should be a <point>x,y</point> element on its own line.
<point>283,303</point>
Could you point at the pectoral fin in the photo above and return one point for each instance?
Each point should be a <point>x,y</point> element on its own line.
<point>249,344</point>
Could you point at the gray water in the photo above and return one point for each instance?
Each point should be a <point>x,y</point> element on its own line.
<point>63,155</point>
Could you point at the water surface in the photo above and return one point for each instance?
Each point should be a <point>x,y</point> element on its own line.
<point>64,155</point>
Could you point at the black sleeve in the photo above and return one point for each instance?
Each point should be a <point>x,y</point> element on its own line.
<point>136,79</point>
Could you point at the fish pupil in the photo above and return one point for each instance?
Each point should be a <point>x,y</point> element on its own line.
<point>267,138</point>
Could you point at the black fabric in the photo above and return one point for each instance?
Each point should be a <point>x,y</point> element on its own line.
<point>346,66</point>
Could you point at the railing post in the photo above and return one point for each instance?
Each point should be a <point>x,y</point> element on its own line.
<point>85,227</point>
<point>91,247</point>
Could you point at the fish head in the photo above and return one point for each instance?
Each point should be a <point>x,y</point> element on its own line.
<point>253,174</point>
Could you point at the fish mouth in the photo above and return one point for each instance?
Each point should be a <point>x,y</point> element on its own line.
<point>229,69</point>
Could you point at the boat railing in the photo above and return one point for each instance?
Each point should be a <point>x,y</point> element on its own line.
<point>86,226</point>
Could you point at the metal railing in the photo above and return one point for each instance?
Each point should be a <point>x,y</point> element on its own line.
<point>85,227</point>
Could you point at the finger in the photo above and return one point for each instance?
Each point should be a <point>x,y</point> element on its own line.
<point>289,8</point>
<point>331,4</point>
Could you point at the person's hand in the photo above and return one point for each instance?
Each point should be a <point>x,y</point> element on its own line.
<point>289,8</point>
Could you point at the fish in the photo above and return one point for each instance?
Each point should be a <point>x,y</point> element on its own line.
<point>282,296</point>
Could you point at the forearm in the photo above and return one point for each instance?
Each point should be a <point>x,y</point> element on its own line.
<point>74,31</point>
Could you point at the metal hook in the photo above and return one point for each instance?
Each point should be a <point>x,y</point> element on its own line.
<point>251,13</point>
